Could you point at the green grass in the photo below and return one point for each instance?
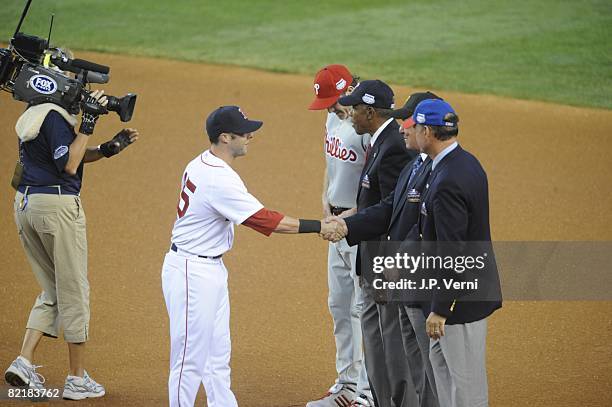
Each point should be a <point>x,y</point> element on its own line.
<point>556,51</point>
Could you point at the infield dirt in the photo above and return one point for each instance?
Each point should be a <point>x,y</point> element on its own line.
<point>550,177</point>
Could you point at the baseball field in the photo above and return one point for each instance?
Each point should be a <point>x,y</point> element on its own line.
<point>531,82</point>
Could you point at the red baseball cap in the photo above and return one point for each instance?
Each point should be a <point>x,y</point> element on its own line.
<point>408,123</point>
<point>329,84</point>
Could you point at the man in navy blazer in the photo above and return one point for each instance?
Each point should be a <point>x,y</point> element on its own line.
<point>372,102</point>
<point>455,210</point>
<point>396,217</point>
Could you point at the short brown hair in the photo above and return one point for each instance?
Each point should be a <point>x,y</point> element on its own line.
<point>443,133</point>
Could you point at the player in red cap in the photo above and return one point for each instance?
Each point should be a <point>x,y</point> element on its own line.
<point>345,153</point>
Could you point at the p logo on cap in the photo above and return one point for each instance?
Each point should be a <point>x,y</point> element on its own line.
<point>329,84</point>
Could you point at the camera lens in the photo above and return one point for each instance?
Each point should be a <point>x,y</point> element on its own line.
<point>124,106</point>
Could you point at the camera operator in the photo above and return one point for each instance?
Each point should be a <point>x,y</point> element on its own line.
<point>51,225</point>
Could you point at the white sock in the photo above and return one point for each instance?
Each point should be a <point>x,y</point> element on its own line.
<point>24,360</point>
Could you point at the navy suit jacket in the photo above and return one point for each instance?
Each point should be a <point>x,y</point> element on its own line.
<point>455,208</point>
<point>386,160</point>
<point>394,216</point>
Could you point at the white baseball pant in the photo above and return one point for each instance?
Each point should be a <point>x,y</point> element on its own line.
<point>197,300</point>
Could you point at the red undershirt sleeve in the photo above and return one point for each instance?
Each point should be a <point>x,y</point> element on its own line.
<point>264,221</point>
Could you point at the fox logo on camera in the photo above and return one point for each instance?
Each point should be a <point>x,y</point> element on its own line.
<point>43,84</point>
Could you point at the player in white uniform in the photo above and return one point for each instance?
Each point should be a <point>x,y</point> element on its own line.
<point>194,280</point>
<point>345,152</point>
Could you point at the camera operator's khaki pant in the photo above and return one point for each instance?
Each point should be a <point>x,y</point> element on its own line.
<point>52,231</point>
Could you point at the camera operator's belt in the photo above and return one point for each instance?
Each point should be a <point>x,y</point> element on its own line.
<point>177,250</point>
<point>51,189</point>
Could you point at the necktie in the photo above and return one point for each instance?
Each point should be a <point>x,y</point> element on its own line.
<point>367,152</point>
<point>415,168</point>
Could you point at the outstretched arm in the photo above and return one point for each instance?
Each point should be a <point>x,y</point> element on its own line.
<point>267,222</point>
<point>293,225</point>
<point>114,146</point>
<point>92,154</point>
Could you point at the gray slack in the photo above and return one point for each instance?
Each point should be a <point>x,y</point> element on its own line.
<point>459,365</point>
<point>386,364</point>
<point>416,346</point>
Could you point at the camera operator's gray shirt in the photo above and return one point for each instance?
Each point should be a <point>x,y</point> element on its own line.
<point>345,156</point>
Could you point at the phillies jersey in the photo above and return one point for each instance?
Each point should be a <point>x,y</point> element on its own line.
<point>213,198</point>
<point>345,155</point>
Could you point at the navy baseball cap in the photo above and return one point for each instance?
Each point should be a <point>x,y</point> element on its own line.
<point>411,103</point>
<point>373,93</point>
<point>431,112</point>
<point>230,119</point>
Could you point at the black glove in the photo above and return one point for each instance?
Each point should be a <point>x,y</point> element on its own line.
<point>91,110</point>
<point>117,144</point>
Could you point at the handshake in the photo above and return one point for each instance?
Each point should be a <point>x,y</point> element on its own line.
<point>333,229</point>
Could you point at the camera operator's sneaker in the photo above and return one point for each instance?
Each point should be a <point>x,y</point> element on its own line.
<point>339,395</point>
<point>362,401</point>
<point>79,388</point>
<point>22,373</point>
